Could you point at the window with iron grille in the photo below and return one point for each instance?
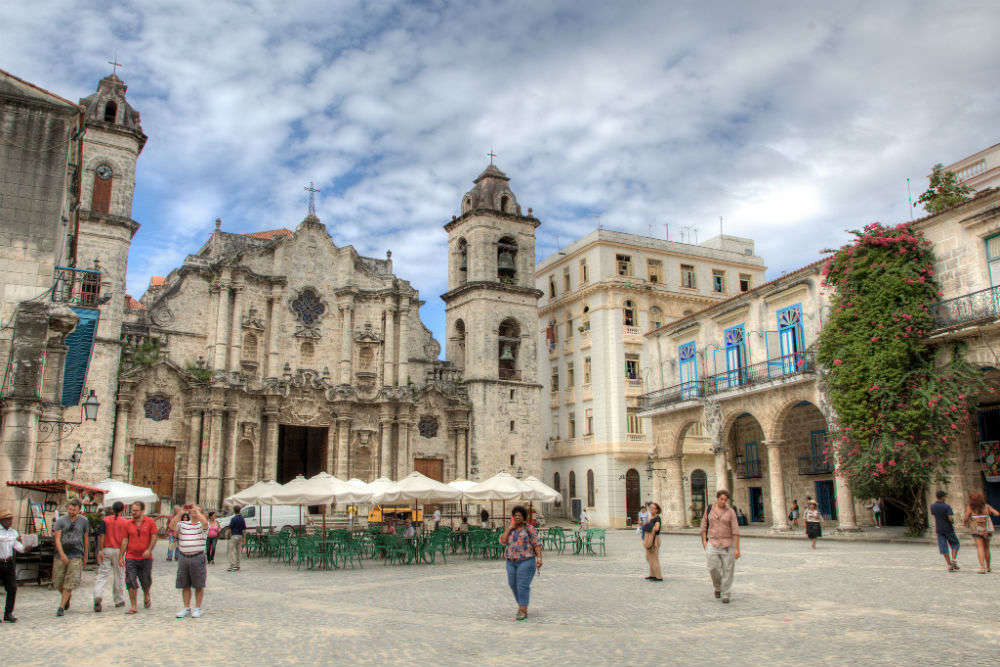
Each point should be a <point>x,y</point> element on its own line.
<point>624,264</point>
<point>744,282</point>
<point>586,370</point>
<point>654,270</point>
<point>589,417</point>
<point>555,378</point>
<point>633,421</point>
<point>718,280</point>
<point>632,366</point>
<point>688,277</point>
<point>570,375</point>
<point>572,425</point>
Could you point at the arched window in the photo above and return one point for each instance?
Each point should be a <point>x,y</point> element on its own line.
<point>110,111</point>
<point>466,205</point>
<point>509,340</point>
<point>655,317</point>
<point>250,347</point>
<point>629,316</point>
<point>699,489</point>
<point>306,351</point>
<point>507,260</point>
<point>504,200</point>
<point>590,488</point>
<point>100,199</point>
<point>463,260</point>
<point>572,484</point>
<point>555,482</point>
<point>459,344</point>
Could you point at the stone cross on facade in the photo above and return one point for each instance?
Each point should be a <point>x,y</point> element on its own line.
<point>312,198</point>
<point>114,64</point>
<point>491,155</point>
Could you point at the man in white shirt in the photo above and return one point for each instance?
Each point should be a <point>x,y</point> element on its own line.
<point>437,518</point>
<point>10,541</point>
<point>192,571</point>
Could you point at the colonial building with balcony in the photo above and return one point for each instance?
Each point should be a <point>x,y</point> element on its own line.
<point>601,294</point>
<point>744,369</point>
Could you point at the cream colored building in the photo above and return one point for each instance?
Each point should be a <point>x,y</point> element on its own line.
<point>980,171</point>
<point>744,368</point>
<point>600,295</point>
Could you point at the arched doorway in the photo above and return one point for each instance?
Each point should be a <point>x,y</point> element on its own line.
<point>699,491</point>
<point>632,499</point>
<point>746,450</point>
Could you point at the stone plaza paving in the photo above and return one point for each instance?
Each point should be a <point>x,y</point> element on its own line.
<point>845,603</point>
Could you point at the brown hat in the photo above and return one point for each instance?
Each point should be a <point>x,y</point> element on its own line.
<point>6,514</point>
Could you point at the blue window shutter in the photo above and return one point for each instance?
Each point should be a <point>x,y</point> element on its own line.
<point>79,345</point>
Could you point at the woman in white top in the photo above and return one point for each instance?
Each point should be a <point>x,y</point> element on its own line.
<point>814,522</point>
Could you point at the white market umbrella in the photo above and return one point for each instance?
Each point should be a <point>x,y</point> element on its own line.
<point>252,494</point>
<point>550,494</point>
<point>502,486</point>
<point>416,486</point>
<point>379,486</point>
<point>462,485</point>
<point>117,490</point>
<point>354,481</point>
<point>321,489</point>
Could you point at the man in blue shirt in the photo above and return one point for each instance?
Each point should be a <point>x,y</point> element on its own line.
<point>237,526</point>
<point>944,523</point>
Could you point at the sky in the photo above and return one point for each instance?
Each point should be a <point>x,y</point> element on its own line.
<point>793,121</point>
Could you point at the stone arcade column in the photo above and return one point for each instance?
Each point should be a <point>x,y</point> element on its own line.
<point>270,444</point>
<point>212,459</point>
<point>124,404</point>
<point>403,449</point>
<point>346,332</point>
<point>385,457</point>
<point>193,455</point>
<point>344,433</point>
<point>389,348</point>
<point>273,330</point>
<point>846,519</point>
<point>721,473</point>
<point>236,331</point>
<point>776,480</point>
<point>331,448</point>
<point>673,513</point>
<point>460,461</point>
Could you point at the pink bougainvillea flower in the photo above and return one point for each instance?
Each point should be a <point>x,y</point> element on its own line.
<point>837,362</point>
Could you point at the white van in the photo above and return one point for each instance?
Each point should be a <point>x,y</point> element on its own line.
<point>279,517</point>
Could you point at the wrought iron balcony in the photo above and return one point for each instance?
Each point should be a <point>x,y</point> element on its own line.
<point>748,468</point>
<point>814,465</point>
<point>676,394</point>
<point>981,305</point>
<point>760,373</point>
<point>77,287</point>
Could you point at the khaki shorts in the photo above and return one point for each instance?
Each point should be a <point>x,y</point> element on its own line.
<point>66,576</point>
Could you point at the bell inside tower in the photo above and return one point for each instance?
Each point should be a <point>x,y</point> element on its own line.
<point>506,264</point>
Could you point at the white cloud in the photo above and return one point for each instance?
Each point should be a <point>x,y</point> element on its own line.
<point>793,122</point>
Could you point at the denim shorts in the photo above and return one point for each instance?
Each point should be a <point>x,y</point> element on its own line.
<point>944,541</point>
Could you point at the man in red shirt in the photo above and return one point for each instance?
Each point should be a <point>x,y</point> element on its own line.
<point>136,554</point>
<point>109,542</point>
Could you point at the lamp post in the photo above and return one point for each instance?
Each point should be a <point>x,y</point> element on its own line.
<point>75,457</point>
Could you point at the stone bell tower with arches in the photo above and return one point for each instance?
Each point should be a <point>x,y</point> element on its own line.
<point>491,315</point>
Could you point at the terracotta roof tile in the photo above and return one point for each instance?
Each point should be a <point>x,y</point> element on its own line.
<point>132,304</point>
<point>157,281</point>
<point>270,234</point>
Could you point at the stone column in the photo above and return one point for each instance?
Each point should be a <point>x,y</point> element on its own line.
<point>212,459</point>
<point>721,473</point>
<point>385,460</point>
<point>846,519</point>
<point>673,511</point>
<point>193,456</point>
<point>273,330</point>
<point>331,448</point>
<point>121,439</point>
<point>403,449</point>
<point>461,470</point>
<point>347,329</point>
<point>344,437</point>
<point>404,349</point>
<point>229,475</point>
<point>221,337</point>
<point>236,330</point>
<point>779,520</point>
<point>271,444</point>
<point>19,439</point>
<point>389,348</point>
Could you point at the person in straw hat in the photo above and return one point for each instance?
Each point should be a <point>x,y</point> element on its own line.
<point>10,541</point>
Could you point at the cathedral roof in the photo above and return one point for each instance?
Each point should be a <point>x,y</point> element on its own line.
<point>18,87</point>
<point>156,281</point>
<point>491,172</point>
<point>270,234</point>
<point>132,304</point>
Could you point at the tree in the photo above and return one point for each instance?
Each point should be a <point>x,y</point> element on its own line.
<point>899,411</point>
<point>944,191</point>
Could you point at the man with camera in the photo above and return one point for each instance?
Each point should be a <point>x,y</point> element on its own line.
<point>192,565</point>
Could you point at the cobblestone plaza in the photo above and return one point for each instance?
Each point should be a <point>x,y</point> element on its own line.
<point>845,603</point>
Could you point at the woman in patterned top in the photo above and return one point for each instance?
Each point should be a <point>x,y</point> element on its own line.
<point>523,555</point>
<point>978,518</point>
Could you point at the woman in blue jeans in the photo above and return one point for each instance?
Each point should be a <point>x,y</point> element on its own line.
<point>523,555</point>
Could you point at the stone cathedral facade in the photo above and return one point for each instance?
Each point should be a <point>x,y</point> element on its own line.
<point>272,354</point>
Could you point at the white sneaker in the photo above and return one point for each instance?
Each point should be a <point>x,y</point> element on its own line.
<point>186,611</point>
<point>196,612</point>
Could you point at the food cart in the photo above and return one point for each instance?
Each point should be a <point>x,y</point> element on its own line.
<point>38,501</point>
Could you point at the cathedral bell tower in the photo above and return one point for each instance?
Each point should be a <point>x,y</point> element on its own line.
<point>491,315</point>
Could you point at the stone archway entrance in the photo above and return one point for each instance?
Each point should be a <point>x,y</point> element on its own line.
<point>632,499</point>
<point>301,451</point>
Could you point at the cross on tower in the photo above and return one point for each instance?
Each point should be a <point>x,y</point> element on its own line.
<point>312,198</point>
<point>115,64</point>
<point>491,155</point>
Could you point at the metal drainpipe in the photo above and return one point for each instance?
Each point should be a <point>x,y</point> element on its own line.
<point>79,186</point>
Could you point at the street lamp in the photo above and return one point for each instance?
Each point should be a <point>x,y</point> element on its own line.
<point>77,454</point>
<point>58,428</point>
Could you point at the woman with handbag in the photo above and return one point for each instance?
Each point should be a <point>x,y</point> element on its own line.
<point>651,542</point>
